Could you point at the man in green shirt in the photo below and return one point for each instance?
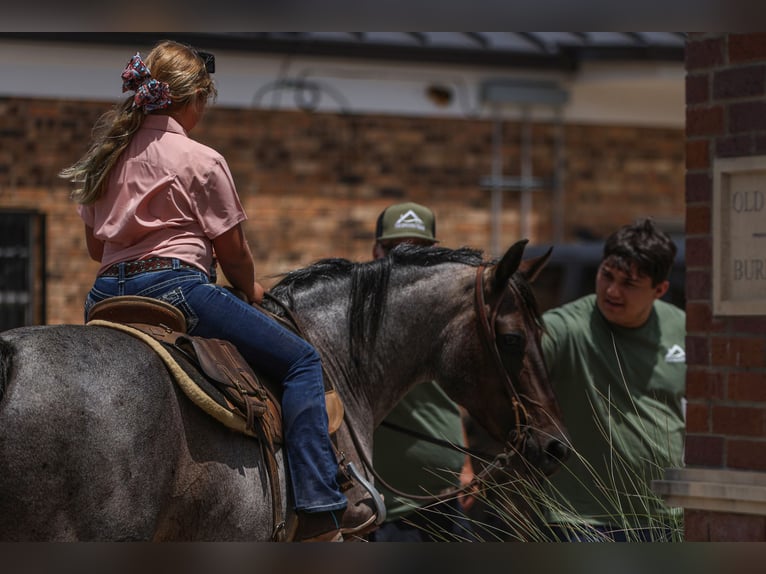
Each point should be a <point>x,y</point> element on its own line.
<point>617,361</point>
<point>417,447</point>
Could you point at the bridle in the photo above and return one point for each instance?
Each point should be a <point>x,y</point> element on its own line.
<point>517,436</point>
<point>489,338</point>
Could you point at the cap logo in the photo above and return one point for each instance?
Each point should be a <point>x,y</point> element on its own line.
<point>410,220</point>
<point>676,354</point>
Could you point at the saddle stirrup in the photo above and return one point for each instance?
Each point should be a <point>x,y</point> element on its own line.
<point>377,499</point>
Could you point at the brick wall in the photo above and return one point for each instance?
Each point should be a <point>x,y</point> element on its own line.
<point>726,356</point>
<point>314,184</point>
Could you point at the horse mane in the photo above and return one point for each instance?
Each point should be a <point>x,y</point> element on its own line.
<point>369,282</point>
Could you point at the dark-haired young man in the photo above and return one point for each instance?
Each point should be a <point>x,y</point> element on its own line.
<point>617,361</point>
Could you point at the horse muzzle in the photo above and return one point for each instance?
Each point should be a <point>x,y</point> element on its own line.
<point>555,453</point>
<point>544,452</point>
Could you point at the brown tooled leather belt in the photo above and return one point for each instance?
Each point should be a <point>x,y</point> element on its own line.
<point>143,266</point>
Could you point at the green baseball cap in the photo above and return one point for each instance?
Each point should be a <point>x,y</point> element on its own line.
<point>404,221</point>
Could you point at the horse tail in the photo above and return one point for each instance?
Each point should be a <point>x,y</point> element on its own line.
<point>6,354</point>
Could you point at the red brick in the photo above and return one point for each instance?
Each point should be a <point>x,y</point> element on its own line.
<point>702,54</point>
<point>709,526</point>
<point>697,417</point>
<point>699,251</point>
<point>698,316</point>
<point>704,450</point>
<point>697,154</point>
<point>697,219</point>
<point>698,284</point>
<point>737,528</point>
<point>746,454</point>
<point>697,89</point>
<point>747,117</point>
<point>738,421</point>
<point>755,325</point>
<point>746,47</point>
<point>704,121</point>
<point>696,525</point>
<point>747,386</point>
<point>742,82</point>
<point>697,350</point>
<point>734,146</point>
<point>747,352</point>
<point>699,187</point>
<point>700,320</point>
<point>704,383</point>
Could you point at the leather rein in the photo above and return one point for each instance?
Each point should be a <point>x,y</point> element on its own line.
<point>516,436</point>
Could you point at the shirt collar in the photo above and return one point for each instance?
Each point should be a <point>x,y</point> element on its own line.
<point>164,123</point>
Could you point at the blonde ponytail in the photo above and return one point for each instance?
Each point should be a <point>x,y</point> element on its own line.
<point>111,136</point>
<point>184,72</point>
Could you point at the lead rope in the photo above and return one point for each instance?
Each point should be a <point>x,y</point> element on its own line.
<point>499,463</point>
<point>437,441</point>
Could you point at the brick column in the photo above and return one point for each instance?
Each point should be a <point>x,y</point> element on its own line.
<point>724,485</point>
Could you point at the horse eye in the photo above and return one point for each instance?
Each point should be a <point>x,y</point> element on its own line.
<point>512,342</point>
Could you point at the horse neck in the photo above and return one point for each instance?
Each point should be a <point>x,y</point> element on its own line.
<point>373,374</point>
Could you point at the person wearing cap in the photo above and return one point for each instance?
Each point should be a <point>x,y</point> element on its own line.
<point>417,447</point>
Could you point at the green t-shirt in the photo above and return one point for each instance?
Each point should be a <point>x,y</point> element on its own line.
<point>624,416</point>
<point>413,465</point>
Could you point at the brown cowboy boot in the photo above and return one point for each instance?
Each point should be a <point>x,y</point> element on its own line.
<point>361,515</point>
<point>319,527</point>
<point>358,519</point>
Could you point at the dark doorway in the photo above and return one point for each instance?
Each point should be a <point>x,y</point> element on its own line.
<point>22,269</point>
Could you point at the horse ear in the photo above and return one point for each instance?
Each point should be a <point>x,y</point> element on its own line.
<point>509,264</point>
<point>530,268</point>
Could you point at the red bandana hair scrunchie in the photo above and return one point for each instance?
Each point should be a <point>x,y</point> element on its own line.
<point>150,94</point>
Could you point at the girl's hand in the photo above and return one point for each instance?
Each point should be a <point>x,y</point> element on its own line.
<point>258,290</point>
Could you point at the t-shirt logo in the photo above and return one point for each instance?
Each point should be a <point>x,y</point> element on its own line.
<point>676,354</point>
<point>410,220</point>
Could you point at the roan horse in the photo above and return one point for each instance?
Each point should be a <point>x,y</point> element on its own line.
<point>97,442</point>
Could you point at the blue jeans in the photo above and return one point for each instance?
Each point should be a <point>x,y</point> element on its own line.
<point>211,311</point>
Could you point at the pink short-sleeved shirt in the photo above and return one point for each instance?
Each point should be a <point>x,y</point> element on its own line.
<point>167,196</point>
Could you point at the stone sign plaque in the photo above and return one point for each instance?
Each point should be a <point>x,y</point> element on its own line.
<point>739,236</point>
